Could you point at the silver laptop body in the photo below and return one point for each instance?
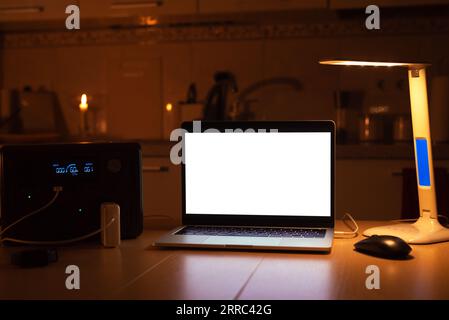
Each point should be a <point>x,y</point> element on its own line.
<point>257,185</point>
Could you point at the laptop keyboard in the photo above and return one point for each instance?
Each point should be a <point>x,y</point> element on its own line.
<point>253,232</point>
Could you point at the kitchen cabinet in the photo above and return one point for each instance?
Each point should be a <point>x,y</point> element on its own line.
<point>378,183</point>
<point>353,4</point>
<point>134,86</point>
<point>130,8</point>
<point>161,191</point>
<point>228,6</point>
<point>41,10</point>
<point>33,10</point>
<point>379,186</point>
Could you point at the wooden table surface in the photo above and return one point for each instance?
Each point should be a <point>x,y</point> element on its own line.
<point>137,270</point>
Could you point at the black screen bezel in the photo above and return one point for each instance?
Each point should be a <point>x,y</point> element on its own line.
<point>252,220</point>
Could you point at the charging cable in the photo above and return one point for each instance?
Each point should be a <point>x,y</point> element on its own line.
<point>61,242</point>
<point>57,190</point>
<point>348,234</point>
<point>355,227</point>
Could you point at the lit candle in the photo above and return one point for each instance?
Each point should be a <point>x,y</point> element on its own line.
<point>83,104</point>
<point>83,110</point>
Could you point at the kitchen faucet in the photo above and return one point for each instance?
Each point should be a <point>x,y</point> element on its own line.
<point>238,112</point>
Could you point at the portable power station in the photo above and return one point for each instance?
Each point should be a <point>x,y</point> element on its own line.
<point>89,173</point>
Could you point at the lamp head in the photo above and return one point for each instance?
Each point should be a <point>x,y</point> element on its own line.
<point>413,66</point>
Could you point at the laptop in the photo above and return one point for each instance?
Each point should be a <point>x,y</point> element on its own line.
<point>257,185</point>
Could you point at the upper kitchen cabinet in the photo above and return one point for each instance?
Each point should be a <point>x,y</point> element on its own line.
<point>33,10</point>
<point>354,4</point>
<point>43,10</point>
<point>134,86</point>
<point>229,6</point>
<point>133,8</point>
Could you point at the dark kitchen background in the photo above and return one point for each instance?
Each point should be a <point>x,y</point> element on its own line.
<point>145,66</point>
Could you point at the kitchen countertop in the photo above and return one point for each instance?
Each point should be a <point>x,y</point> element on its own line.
<point>404,151</point>
<point>160,148</point>
<point>388,152</point>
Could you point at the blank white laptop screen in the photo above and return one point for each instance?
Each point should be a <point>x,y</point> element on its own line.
<point>275,174</point>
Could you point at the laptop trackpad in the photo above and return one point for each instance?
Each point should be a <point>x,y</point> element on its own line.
<point>244,241</point>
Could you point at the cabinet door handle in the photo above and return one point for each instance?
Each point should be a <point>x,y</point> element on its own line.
<point>122,5</point>
<point>155,169</point>
<point>15,10</point>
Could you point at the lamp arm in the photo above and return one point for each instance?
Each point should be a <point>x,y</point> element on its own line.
<point>422,143</point>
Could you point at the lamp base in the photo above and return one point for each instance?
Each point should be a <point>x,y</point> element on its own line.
<point>424,231</point>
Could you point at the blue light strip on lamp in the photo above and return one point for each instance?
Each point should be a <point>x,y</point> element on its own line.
<point>422,157</point>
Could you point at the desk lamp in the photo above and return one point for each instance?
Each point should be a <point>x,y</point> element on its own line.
<point>426,229</point>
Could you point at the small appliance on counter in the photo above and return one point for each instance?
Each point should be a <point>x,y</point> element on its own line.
<point>347,106</point>
<point>376,125</point>
<point>86,175</point>
<point>216,104</point>
<point>402,129</point>
<point>31,112</point>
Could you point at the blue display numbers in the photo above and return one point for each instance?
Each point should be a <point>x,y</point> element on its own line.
<point>73,168</point>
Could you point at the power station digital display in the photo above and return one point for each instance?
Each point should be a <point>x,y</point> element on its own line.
<point>73,168</point>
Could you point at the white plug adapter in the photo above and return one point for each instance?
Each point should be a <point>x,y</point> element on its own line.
<point>110,224</point>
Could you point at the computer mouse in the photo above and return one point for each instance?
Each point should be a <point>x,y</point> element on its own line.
<point>384,246</point>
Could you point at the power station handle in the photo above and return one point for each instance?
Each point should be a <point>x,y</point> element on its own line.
<point>155,169</point>
<point>21,9</point>
<point>117,5</point>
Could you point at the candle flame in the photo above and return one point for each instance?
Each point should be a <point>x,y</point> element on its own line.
<point>83,104</point>
<point>169,107</point>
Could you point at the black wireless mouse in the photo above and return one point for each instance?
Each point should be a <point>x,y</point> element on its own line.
<point>384,246</point>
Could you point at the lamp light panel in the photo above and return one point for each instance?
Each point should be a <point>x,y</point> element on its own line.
<point>359,63</point>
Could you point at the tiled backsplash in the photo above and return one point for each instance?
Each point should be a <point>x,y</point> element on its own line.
<point>137,71</point>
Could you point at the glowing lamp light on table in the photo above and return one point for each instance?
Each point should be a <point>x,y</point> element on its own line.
<point>426,229</point>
